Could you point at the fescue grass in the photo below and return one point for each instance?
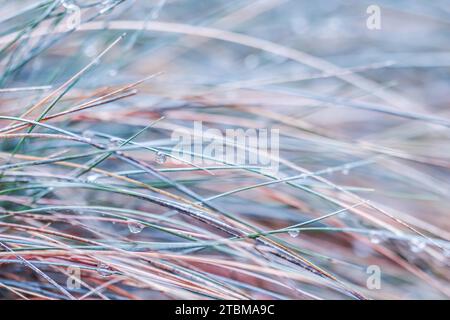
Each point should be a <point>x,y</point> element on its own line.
<point>89,182</point>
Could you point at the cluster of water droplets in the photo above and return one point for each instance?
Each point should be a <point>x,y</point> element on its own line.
<point>447,253</point>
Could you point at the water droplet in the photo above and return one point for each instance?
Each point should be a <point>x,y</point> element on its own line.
<point>251,61</point>
<point>103,269</point>
<point>417,245</point>
<point>447,253</point>
<point>335,24</point>
<point>375,237</point>
<point>268,171</point>
<point>362,250</point>
<point>294,233</point>
<point>342,215</point>
<point>91,50</point>
<point>275,58</point>
<point>112,72</point>
<point>135,227</point>
<point>160,157</point>
<point>346,170</point>
<point>92,177</point>
<point>114,142</point>
<point>156,10</point>
<point>67,3</point>
<point>88,134</point>
<point>298,25</point>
